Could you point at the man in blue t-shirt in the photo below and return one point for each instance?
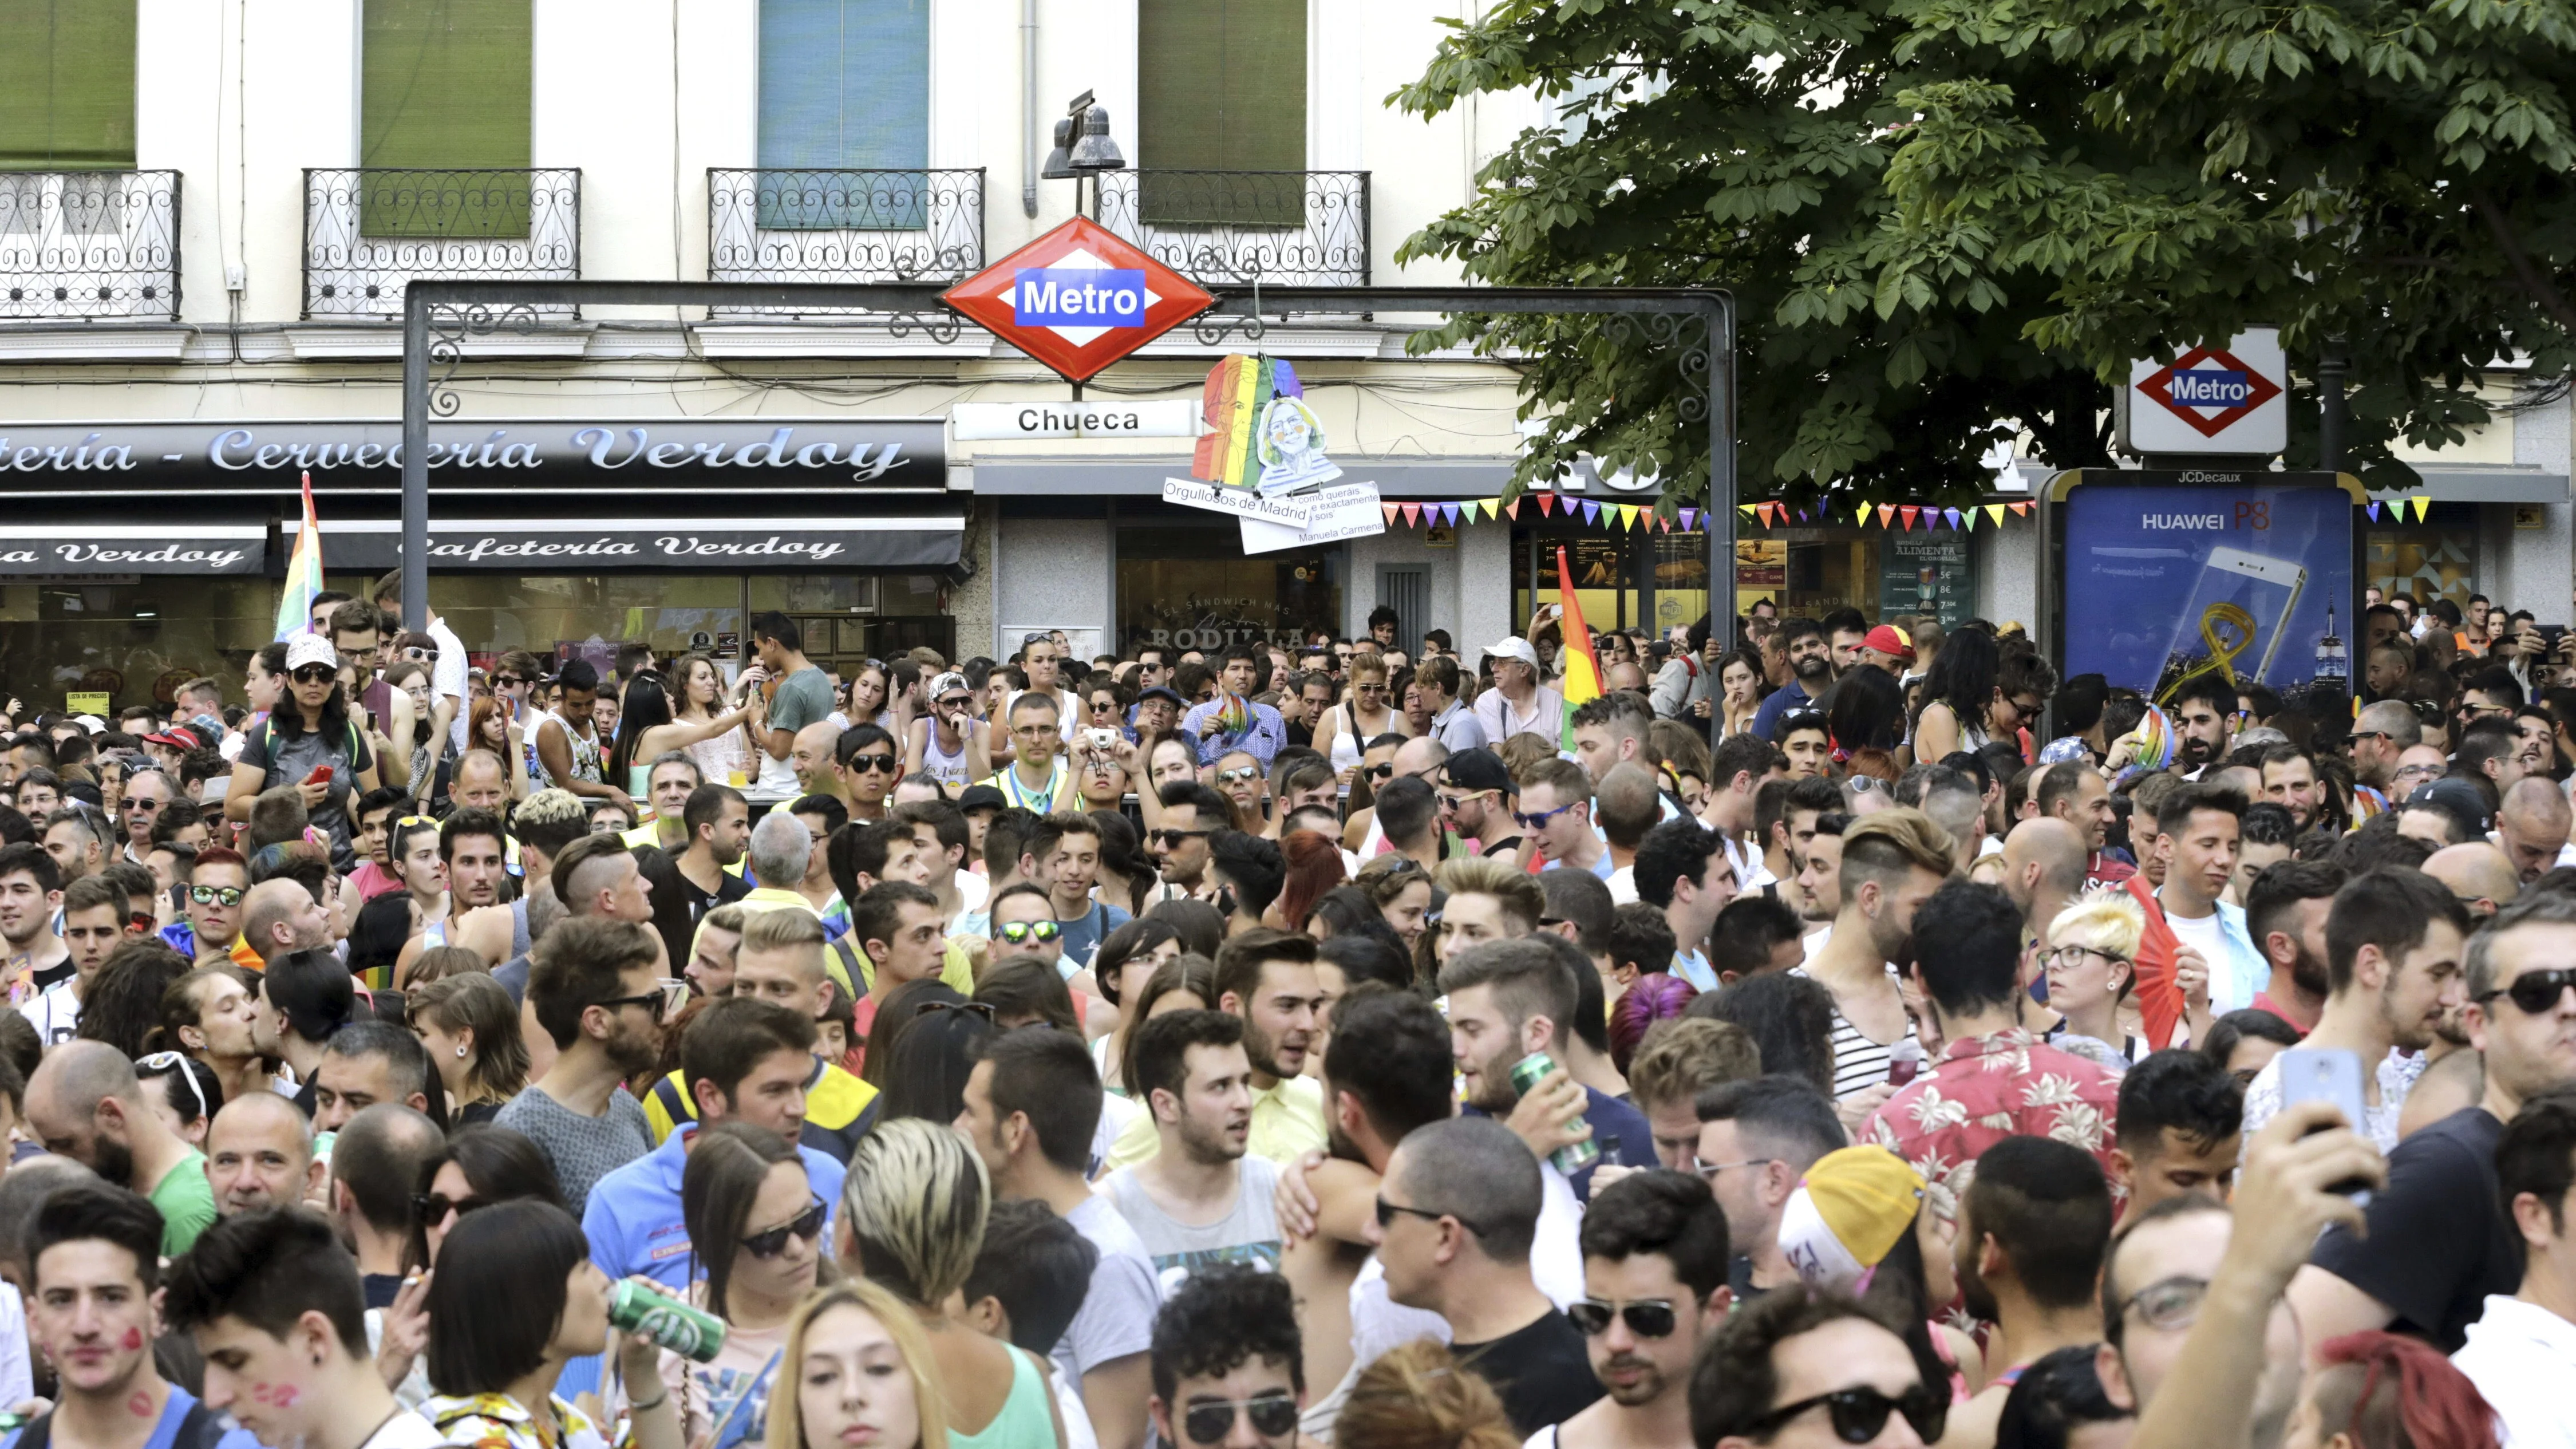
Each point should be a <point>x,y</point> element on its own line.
<point>1811,661</point>
<point>1067,849</point>
<point>1507,1000</point>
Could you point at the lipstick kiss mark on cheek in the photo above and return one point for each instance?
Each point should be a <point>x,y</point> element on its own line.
<point>133,1339</point>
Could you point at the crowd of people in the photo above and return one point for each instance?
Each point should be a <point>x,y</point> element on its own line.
<point>1828,1033</point>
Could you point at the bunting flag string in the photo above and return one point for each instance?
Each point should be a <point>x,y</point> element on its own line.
<point>1764,513</point>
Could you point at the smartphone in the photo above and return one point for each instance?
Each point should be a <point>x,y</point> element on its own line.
<point>2266,590</point>
<point>2326,1075</point>
<point>321,775</point>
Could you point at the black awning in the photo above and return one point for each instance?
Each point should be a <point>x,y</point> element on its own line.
<point>79,548</point>
<point>540,546</point>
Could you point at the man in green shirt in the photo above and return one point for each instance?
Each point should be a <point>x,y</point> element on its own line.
<point>803,695</point>
<point>86,1104</point>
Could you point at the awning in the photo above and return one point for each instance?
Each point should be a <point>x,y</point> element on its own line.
<point>538,545</point>
<point>2481,483</point>
<point>72,548</point>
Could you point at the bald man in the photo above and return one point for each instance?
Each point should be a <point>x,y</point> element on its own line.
<point>86,1104</point>
<point>280,917</point>
<point>2532,827</point>
<point>259,1154</point>
<point>811,757</point>
<point>2478,873</point>
<point>2043,870</point>
<point>2380,735</point>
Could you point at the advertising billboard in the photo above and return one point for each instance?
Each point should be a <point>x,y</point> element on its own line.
<point>2165,581</point>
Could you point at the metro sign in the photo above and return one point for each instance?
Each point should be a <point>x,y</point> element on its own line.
<point>2210,399</point>
<point>1078,299</point>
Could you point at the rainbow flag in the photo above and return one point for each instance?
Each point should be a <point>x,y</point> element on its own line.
<point>1238,392</point>
<point>303,574</point>
<point>1582,667</point>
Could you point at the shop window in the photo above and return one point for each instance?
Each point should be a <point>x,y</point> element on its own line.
<point>586,616</point>
<point>2435,559</point>
<point>1193,588</point>
<point>1811,571</point>
<point>67,85</point>
<point>134,639</point>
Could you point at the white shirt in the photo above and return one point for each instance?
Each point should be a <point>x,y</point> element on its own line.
<point>2519,1355</point>
<point>17,1375</point>
<point>447,677</point>
<point>2207,937</point>
<point>55,1014</point>
<point>972,889</point>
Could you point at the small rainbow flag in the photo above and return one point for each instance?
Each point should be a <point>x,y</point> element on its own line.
<point>1582,680</point>
<point>1239,390</point>
<point>303,574</point>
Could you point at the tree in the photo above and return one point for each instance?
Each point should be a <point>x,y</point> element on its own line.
<point>1947,219</point>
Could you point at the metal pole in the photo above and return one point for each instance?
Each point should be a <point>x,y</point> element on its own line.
<point>415,462</point>
<point>1719,517</point>
<point>2332,368</point>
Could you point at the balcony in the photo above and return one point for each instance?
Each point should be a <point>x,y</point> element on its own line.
<point>368,232</point>
<point>1287,228</point>
<point>775,224</point>
<point>83,245</point>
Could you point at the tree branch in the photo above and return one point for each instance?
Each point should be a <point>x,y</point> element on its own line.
<point>2534,281</point>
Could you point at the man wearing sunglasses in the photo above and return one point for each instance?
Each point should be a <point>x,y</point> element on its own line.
<point>596,986</point>
<point>1654,1287</point>
<point>1229,1371</point>
<point>1800,1371</point>
<point>743,1060</point>
<point>1556,808</point>
<point>865,765</point>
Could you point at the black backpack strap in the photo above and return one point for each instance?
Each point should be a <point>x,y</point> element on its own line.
<point>39,1431</point>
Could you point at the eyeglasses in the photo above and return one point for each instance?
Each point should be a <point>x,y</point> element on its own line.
<point>1018,932</point>
<point>433,1207</point>
<point>226,896</point>
<point>873,764</point>
<point>2168,1304</point>
<point>161,1062</point>
<point>2357,736</point>
<point>315,674</point>
<point>2534,991</point>
<point>956,701</point>
<point>504,681</point>
<point>2074,956</point>
<point>1858,1414</point>
<point>1646,1318</point>
<point>1541,819</point>
<point>773,1241</point>
<point>1208,1421</point>
<point>1171,839</point>
<point>1386,1213</point>
<point>1238,775</point>
<point>429,656</point>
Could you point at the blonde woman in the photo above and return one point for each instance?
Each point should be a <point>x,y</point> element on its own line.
<point>2092,962</point>
<point>912,1216</point>
<point>1419,1397</point>
<point>864,1374</point>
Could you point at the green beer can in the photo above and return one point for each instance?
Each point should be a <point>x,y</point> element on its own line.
<point>1574,1156</point>
<point>665,1321</point>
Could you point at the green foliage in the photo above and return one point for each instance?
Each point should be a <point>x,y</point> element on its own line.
<point>1936,215</point>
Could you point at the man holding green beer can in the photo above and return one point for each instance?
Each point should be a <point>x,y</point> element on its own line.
<point>1510,1004</point>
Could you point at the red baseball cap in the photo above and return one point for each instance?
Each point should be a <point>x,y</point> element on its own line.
<point>1888,639</point>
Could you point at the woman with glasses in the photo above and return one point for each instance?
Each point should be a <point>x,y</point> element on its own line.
<point>470,1027</point>
<point>311,742</point>
<point>2091,958</point>
<point>480,1165</point>
<point>755,1234</point>
<point>1129,956</point>
<point>208,1014</point>
<point>862,1374</point>
<point>912,1216</point>
<point>1345,730</point>
<point>648,728</point>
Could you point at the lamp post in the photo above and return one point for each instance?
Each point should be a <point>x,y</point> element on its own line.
<point>1083,148</point>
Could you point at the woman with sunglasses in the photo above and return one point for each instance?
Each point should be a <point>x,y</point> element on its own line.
<point>310,741</point>
<point>862,1374</point>
<point>755,1234</point>
<point>208,1014</point>
<point>911,1219</point>
<point>470,1027</point>
<point>1347,728</point>
<point>2091,958</point>
<point>648,728</point>
<point>480,1165</point>
<point>949,744</point>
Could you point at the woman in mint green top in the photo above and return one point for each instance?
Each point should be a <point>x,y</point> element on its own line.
<point>914,1229</point>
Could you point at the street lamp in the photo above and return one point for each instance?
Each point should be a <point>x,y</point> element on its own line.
<point>1083,148</point>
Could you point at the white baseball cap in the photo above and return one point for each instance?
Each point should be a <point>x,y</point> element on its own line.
<point>1513,647</point>
<point>308,648</point>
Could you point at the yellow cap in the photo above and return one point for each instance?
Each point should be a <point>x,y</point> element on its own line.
<point>1868,1197</point>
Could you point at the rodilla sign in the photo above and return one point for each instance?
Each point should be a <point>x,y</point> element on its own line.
<point>1079,297</point>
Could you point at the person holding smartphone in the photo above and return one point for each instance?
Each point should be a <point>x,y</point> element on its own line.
<point>311,741</point>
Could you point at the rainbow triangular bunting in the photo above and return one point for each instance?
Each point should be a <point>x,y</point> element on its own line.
<point>1908,512</point>
<point>1860,513</point>
<point>1995,514</point>
<point>1886,511</point>
<point>1690,516</point>
<point>1952,515</point>
<point>2423,502</point>
<point>1389,510</point>
<point>2374,512</point>
<point>1413,515</point>
<point>1591,511</point>
<point>2020,510</point>
<point>1969,518</point>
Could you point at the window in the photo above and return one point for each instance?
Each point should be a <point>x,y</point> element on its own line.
<point>1190,586</point>
<point>67,85</point>
<point>844,85</point>
<point>1221,87</point>
<point>446,86</point>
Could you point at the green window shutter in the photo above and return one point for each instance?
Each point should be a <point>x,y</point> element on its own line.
<point>66,85</point>
<point>1221,88</point>
<point>445,96</point>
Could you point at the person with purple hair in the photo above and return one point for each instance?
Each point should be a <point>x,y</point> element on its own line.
<point>1657,996</point>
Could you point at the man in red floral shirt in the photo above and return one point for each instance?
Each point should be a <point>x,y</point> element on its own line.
<point>1994,1080</point>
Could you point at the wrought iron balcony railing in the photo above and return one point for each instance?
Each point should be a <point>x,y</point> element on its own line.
<point>368,231</point>
<point>808,224</point>
<point>89,244</point>
<point>1294,228</point>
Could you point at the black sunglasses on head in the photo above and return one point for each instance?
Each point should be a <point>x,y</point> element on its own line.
<point>1273,1415</point>
<point>1858,1414</point>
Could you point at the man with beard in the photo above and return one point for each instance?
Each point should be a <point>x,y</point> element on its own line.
<point>1476,800</point>
<point>1892,862</point>
<point>1266,979</point>
<point>1993,1079</point>
<point>1509,1000</point>
<point>2532,827</point>
<point>2393,942</point>
<point>1654,1284</point>
<point>1811,664</point>
<point>2033,1225</point>
<point>2290,781</point>
<point>2203,715</point>
<point>85,1103</point>
<point>2380,734</point>
<point>2285,915</point>
<point>1198,1200</point>
<point>1179,842</point>
<point>595,985</point>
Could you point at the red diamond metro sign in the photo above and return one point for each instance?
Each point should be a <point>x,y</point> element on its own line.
<point>1078,299</point>
<point>2209,389</point>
